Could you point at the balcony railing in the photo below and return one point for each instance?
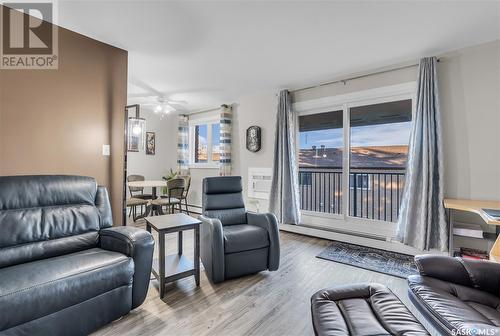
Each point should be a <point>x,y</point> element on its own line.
<point>373,194</point>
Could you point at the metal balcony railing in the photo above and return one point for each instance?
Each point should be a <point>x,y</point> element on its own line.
<point>373,193</point>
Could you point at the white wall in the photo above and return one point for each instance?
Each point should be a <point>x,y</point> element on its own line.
<point>197,176</point>
<point>153,167</point>
<point>470,101</point>
<point>470,91</point>
<point>254,110</point>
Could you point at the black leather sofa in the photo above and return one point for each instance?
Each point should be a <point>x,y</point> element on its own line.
<point>457,296</point>
<point>235,242</point>
<point>64,270</point>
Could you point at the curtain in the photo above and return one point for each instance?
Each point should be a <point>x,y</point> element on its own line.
<point>226,116</point>
<point>422,222</point>
<point>183,146</point>
<point>284,198</point>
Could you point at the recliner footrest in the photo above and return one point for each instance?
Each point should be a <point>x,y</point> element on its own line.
<point>362,310</point>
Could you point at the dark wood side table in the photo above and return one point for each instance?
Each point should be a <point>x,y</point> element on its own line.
<point>174,267</point>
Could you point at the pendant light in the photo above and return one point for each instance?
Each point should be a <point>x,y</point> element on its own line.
<point>137,128</point>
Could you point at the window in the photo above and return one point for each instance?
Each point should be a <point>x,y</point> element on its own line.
<point>320,161</point>
<point>379,137</point>
<point>200,144</point>
<point>204,143</point>
<point>352,153</point>
<point>215,142</point>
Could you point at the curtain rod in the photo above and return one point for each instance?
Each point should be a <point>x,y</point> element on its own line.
<point>203,111</point>
<point>208,109</point>
<point>344,80</point>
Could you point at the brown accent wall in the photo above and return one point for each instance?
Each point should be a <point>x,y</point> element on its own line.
<point>56,121</point>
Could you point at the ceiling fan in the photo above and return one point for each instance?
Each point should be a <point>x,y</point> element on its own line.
<point>165,106</point>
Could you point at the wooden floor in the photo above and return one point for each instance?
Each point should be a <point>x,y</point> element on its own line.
<point>267,303</point>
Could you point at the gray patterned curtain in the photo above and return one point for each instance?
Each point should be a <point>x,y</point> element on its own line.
<point>183,145</point>
<point>284,198</point>
<point>422,222</point>
<point>226,117</point>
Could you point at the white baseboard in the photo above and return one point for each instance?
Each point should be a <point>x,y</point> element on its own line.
<point>358,240</point>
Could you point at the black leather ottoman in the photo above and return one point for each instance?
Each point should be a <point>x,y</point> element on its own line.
<point>362,310</point>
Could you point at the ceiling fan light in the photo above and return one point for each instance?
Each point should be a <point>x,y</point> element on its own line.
<point>169,108</point>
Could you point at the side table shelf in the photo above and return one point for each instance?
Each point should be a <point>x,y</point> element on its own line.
<point>177,266</point>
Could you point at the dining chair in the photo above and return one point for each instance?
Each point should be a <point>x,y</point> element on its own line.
<point>184,196</point>
<point>133,203</point>
<point>175,190</point>
<point>137,192</point>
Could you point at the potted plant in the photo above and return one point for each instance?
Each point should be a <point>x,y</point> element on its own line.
<point>170,176</point>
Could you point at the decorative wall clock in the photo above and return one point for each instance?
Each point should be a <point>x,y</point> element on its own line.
<point>253,139</point>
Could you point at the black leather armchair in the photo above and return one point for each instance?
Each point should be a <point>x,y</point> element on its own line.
<point>64,270</point>
<point>235,242</point>
<point>457,296</point>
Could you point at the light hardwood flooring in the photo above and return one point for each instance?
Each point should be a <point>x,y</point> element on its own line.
<point>267,303</point>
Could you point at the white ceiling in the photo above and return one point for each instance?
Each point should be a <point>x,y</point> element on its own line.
<point>208,53</point>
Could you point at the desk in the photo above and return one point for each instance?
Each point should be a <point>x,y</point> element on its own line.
<point>476,207</point>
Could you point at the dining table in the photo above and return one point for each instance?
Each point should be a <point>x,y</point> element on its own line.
<point>153,184</point>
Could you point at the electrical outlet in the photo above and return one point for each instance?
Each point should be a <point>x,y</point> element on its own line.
<point>106,150</point>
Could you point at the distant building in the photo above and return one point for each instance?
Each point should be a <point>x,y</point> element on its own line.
<point>376,181</point>
<point>373,157</point>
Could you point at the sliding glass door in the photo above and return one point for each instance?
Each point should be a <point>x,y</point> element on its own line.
<point>321,141</point>
<point>379,137</point>
<point>352,160</point>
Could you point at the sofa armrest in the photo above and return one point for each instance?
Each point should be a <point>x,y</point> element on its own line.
<point>137,244</point>
<point>269,222</point>
<point>212,248</point>
<point>481,274</point>
<point>104,207</point>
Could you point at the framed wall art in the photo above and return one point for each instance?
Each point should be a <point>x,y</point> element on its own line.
<point>150,143</point>
<point>254,138</point>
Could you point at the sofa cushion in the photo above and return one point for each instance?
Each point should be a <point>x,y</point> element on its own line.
<point>39,288</point>
<point>453,307</point>
<point>45,216</point>
<point>25,192</point>
<point>244,237</point>
<point>362,310</point>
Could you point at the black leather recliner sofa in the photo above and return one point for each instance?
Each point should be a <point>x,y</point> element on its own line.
<point>235,242</point>
<point>458,296</point>
<point>64,270</point>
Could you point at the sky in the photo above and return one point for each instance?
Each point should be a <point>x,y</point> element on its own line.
<point>361,136</point>
<point>202,131</point>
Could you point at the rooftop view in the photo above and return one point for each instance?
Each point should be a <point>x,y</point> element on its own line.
<point>375,157</point>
